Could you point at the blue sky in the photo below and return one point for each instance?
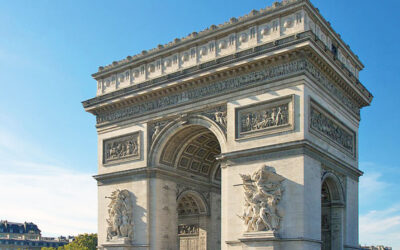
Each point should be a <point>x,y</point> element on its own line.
<point>49,49</point>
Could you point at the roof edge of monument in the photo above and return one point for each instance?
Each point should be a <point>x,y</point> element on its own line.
<point>214,30</point>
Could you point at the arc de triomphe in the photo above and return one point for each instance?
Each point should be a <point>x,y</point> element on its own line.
<point>241,136</point>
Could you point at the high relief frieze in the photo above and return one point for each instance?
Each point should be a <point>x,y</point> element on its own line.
<point>265,118</point>
<point>123,148</point>
<point>262,192</point>
<point>212,89</point>
<point>322,123</point>
<point>218,115</point>
<point>155,129</point>
<point>120,216</point>
<point>224,86</point>
<point>186,230</point>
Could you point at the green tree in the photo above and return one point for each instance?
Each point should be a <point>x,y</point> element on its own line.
<point>81,242</point>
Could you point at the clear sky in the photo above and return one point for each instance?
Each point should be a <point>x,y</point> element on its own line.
<point>48,145</point>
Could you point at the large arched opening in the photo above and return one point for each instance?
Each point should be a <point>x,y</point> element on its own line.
<point>332,212</point>
<point>190,151</point>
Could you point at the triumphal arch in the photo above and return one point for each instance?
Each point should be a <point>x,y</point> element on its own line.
<point>240,136</point>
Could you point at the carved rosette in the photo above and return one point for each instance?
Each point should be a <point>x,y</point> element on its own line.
<point>262,192</point>
<point>120,216</point>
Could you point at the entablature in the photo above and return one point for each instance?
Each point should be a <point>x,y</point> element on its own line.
<point>293,55</point>
<point>258,28</point>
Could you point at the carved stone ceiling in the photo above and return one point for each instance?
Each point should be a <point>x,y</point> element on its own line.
<point>195,152</point>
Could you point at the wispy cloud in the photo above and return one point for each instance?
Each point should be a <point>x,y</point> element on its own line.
<point>380,221</point>
<point>59,200</point>
<point>381,227</point>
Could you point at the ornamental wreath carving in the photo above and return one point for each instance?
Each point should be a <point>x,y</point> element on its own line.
<point>120,216</point>
<point>262,193</point>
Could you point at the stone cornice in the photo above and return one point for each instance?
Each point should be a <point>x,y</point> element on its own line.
<point>192,38</point>
<point>152,172</point>
<point>327,25</point>
<point>261,60</point>
<point>151,65</point>
<point>296,147</point>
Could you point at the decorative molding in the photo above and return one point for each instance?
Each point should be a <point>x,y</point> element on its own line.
<point>253,29</point>
<point>217,114</point>
<point>226,86</point>
<point>332,88</point>
<point>325,171</point>
<point>206,91</point>
<point>263,118</point>
<point>322,123</point>
<point>262,192</point>
<point>122,148</point>
<point>120,217</point>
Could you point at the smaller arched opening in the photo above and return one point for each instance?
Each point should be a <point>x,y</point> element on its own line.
<point>188,148</point>
<point>332,212</point>
<point>192,221</point>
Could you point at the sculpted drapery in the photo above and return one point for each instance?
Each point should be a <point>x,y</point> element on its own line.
<point>262,191</point>
<point>120,212</point>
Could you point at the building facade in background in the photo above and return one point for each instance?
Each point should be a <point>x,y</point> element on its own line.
<point>375,248</point>
<point>26,235</point>
<point>241,136</point>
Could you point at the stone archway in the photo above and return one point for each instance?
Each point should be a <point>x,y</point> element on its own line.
<point>192,221</point>
<point>190,151</point>
<point>332,212</point>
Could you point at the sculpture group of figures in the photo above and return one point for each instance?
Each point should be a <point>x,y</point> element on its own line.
<point>188,229</point>
<point>121,149</point>
<point>323,124</point>
<point>262,119</point>
<point>262,191</point>
<point>120,212</point>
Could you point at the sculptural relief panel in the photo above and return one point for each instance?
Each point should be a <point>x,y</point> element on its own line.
<point>269,31</point>
<point>325,125</point>
<point>269,117</point>
<point>262,192</point>
<point>120,216</point>
<point>207,51</point>
<point>247,38</point>
<point>122,148</point>
<point>226,45</point>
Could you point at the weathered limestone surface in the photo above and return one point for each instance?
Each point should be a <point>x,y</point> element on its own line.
<point>242,136</point>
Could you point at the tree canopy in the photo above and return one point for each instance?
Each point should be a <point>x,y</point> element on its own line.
<point>81,242</point>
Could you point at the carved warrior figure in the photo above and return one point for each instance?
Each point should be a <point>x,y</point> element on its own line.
<point>262,192</point>
<point>120,212</point>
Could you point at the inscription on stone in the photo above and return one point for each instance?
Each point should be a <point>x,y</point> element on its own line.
<point>121,148</point>
<point>265,118</point>
<point>322,123</point>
